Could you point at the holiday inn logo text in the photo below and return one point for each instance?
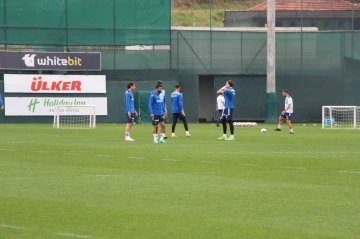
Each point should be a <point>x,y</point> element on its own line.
<point>32,105</point>
<point>51,103</point>
<point>46,106</point>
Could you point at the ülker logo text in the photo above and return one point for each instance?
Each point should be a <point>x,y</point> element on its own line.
<point>40,84</point>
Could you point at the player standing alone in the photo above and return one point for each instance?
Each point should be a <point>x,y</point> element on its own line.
<point>129,110</point>
<point>178,111</point>
<point>287,112</point>
<point>163,98</point>
<point>158,113</point>
<point>227,115</point>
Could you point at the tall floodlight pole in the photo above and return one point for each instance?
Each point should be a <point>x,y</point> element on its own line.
<point>270,109</point>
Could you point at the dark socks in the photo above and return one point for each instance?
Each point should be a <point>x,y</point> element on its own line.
<point>173,127</point>
<point>224,126</point>
<point>186,126</point>
<point>231,127</point>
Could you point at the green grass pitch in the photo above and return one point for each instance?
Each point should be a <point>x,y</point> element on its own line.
<point>91,184</point>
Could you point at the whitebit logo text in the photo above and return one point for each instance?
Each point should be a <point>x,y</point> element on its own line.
<point>29,60</point>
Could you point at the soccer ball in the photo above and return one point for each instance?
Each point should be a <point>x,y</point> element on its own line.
<point>263,131</point>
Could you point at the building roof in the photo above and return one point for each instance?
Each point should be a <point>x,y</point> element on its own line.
<point>309,5</point>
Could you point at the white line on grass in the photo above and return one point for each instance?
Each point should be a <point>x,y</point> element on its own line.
<point>134,174</point>
<point>14,178</point>
<point>55,233</point>
<point>102,155</point>
<point>172,160</point>
<point>348,172</point>
<point>99,176</point>
<point>249,164</point>
<point>208,162</point>
<point>111,175</point>
<point>84,176</point>
<point>296,152</point>
<point>72,153</point>
<point>188,173</point>
<point>65,234</point>
<point>12,227</point>
<point>151,146</point>
<point>55,141</point>
<point>47,152</point>
<point>136,158</point>
<point>205,173</point>
<point>294,168</point>
<point>24,150</point>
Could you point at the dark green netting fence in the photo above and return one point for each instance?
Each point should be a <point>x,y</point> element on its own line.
<point>141,106</point>
<point>84,22</point>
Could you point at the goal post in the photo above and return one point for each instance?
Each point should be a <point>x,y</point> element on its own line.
<point>341,117</point>
<point>75,117</point>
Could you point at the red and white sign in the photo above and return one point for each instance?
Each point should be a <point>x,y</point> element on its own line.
<point>16,83</point>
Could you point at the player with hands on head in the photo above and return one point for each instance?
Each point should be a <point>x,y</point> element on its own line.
<point>227,115</point>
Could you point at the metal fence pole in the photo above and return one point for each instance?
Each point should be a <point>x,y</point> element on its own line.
<point>241,52</point>
<point>352,15</point>
<point>66,24</point>
<point>114,22</point>
<point>301,37</point>
<point>5,26</point>
<point>210,6</point>
<point>352,30</point>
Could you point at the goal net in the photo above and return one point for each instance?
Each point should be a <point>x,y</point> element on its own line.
<point>341,117</point>
<point>75,117</point>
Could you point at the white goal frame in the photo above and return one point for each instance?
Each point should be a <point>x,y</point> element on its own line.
<point>330,119</point>
<point>78,116</point>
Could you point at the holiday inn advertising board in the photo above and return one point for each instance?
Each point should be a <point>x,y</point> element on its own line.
<point>45,106</point>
